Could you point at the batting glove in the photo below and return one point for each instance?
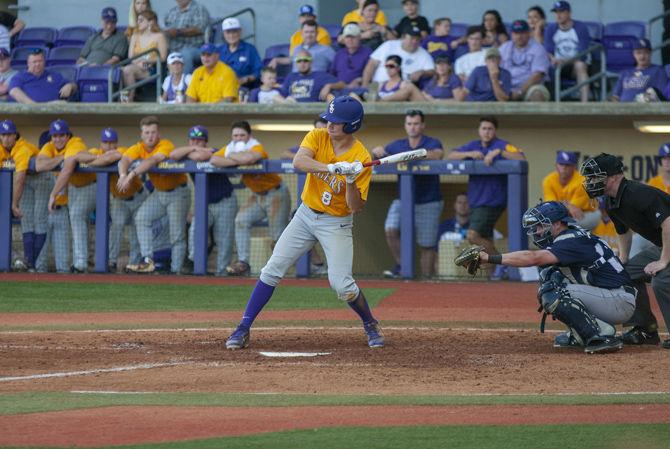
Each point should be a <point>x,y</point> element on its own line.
<point>356,169</point>
<point>339,168</point>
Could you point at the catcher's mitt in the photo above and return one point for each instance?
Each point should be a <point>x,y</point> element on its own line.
<point>469,258</point>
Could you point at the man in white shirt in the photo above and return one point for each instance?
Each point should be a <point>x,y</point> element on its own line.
<point>416,61</point>
<point>475,56</point>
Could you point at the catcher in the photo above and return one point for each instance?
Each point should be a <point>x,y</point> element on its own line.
<point>582,283</point>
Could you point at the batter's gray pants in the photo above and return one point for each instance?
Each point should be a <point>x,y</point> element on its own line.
<point>303,231</point>
<point>613,306</point>
<point>176,204</point>
<point>275,205</point>
<point>221,215</point>
<point>660,283</point>
<point>122,213</point>
<point>34,202</point>
<point>58,234</point>
<point>81,202</point>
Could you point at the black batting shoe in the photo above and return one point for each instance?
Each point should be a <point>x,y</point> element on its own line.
<point>666,344</point>
<point>639,336</point>
<point>602,344</point>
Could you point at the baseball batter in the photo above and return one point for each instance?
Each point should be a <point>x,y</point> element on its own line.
<point>336,187</point>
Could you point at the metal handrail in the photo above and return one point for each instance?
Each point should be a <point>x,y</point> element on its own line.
<point>218,22</point>
<point>656,19</point>
<point>602,75</point>
<point>158,76</point>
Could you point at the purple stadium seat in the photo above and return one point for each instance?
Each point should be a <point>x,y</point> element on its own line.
<point>626,28</point>
<point>275,51</point>
<point>63,56</point>
<point>458,29</point>
<point>71,36</point>
<point>36,37</point>
<point>69,72</point>
<point>93,83</point>
<point>460,51</point>
<point>619,52</point>
<point>595,30</point>
<point>667,70</point>
<point>20,55</point>
<point>216,36</point>
<point>333,31</point>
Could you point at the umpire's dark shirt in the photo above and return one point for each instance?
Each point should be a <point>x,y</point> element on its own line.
<point>641,208</point>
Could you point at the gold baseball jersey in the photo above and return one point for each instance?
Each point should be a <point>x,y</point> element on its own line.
<point>657,181</point>
<point>326,192</point>
<point>256,182</point>
<point>135,186</point>
<point>21,153</point>
<point>161,181</point>
<point>573,191</point>
<point>73,146</point>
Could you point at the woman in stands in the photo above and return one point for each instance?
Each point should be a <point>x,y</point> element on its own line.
<point>445,85</point>
<point>495,33</point>
<point>147,36</point>
<point>395,89</point>
<point>537,20</point>
<point>372,33</point>
<point>136,7</point>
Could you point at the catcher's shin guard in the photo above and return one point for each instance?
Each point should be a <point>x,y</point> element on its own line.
<point>570,311</point>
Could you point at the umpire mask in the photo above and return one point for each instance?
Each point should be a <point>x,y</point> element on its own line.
<point>594,178</point>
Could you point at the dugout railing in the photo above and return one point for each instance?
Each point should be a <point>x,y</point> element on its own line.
<point>516,173</point>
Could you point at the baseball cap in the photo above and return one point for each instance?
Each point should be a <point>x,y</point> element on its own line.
<point>231,23</point>
<point>441,59</point>
<point>58,126</point>
<point>7,127</point>
<point>608,163</point>
<point>561,6</point>
<point>491,52</point>
<point>306,10</point>
<point>351,29</point>
<point>4,53</point>
<point>198,132</point>
<point>109,14</point>
<point>416,2</point>
<point>209,49</point>
<point>520,26</point>
<point>642,43</point>
<point>664,151</point>
<point>109,135</point>
<point>175,57</point>
<point>567,157</point>
<point>412,31</point>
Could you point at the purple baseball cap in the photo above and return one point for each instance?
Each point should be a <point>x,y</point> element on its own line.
<point>109,14</point>
<point>664,151</point>
<point>520,26</point>
<point>58,126</point>
<point>4,53</point>
<point>198,132</point>
<point>7,127</point>
<point>567,157</point>
<point>642,44</point>
<point>306,10</point>
<point>561,6</point>
<point>109,135</point>
<point>209,49</point>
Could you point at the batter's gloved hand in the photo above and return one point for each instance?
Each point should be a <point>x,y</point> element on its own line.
<point>339,168</point>
<point>356,169</point>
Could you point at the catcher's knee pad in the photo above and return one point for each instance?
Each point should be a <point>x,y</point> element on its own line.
<point>570,311</point>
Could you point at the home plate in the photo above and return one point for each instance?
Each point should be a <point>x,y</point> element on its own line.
<point>292,354</point>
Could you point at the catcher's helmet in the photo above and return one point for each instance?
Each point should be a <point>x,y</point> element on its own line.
<point>347,110</point>
<point>596,170</point>
<point>537,221</point>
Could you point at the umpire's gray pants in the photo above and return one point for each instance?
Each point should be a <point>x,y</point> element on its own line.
<point>81,202</point>
<point>122,213</point>
<point>176,204</point>
<point>34,202</point>
<point>58,235</point>
<point>221,216</point>
<point>303,231</point>
<point>660,283</point>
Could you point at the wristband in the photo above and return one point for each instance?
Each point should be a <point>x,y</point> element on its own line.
<point>495,259</point>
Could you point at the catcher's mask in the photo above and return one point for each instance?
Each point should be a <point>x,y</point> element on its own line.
<point>596,170</point>
<point>537,221</point>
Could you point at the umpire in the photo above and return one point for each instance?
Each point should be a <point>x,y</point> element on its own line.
<point>634,206</point>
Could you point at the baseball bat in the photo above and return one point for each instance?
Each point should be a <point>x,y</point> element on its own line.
<point>400,157</point>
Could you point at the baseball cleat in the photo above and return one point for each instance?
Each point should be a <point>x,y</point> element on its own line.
<point>603,344</point>
<point>639,336</point>
<point>146,266</point>
<point>238,339</point>
<point>666,344</point>
<point>374,334</point>
<point>565,340</point>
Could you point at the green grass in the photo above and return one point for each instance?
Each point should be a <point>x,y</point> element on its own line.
<point>610,436</point>
<point>77,297</point>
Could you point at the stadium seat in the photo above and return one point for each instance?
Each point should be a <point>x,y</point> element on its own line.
<point>70,36</point>
<point>216,35</point>
<point>275,51</point>
<point>69,72</point>
<point>667,70</point>
<point>458,29</point>
<point>595,30</point>
<point>333,31</point>
<point>93,83</point>
<point>626,28</point>
<point>460,50</point>
<point>36,37</point>
<point>63,56</point>
<point>20,55</point>
<point>619,52</point>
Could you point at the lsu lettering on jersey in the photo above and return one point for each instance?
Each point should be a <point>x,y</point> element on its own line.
<point>161,181</point>
<point>573,191</point>
<point>20,153</point>
<point>324,191</point>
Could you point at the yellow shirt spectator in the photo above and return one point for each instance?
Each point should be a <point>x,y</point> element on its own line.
<point>324,191</point>
<point>21,153</point>
<point>322,37</point>
<point>161,181</point>
<point>573,191</point>
<point>355,16</point>
<point>213,87</point>
<point>657,181</point>
<point>73,146</point>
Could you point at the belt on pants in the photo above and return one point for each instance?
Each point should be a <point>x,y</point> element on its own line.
<point>318,212</point>
<point>132,197</point>
<point>265,192</point>
<point>172,190</point>
<point>629,289</point>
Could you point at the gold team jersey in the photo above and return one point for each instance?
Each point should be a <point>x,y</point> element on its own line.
<point>161,181</point>
<point>657,181</point>
<point>355,16</point>
<point>326,192</point>
<point>322,37</point>
<point>257,182</point>
<point>135,186</point>
<point>73,146</point>
<point>573,192</point>
<point>20,153</point>
<point>212,87</point>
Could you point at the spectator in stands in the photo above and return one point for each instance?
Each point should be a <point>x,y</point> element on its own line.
<point>438,44</point>
<point>5,41</point>
<point>136,7</point>
<point>475,56</point>
<point>662,180</point>
<point>38,85</point>
<point>633,83</point>
<point>239,55</point>
<point>495,33</point>
<point>395,88</point>
<point>214,81</point>
<point>322,55</point>
<point>171,196</point>
<point>356,15</point>
<point>306,14</point>
<point>350,61</point>
<point>13,24</point>
<point>416,61</point>
<point>147,36</point>
<point>268,92</point>
<point>290,153</point>
<point>427,198</point>
<point>221,200</point>
<point>565,185</point>
<point>373,34</point>
<point>487,194</point>
<point>185,26</point>
<point>445,85</point>
<point>6,73</point>
<point>306,85</point>
<point>563,40</point>
<point>528,63</point>
<point>537,20</point>
<point>460,222</point>
<point>106,47</point>
<point>411,19</point>
<point>269,195</point>
<point>489,82</point>
<point>177,82</point>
